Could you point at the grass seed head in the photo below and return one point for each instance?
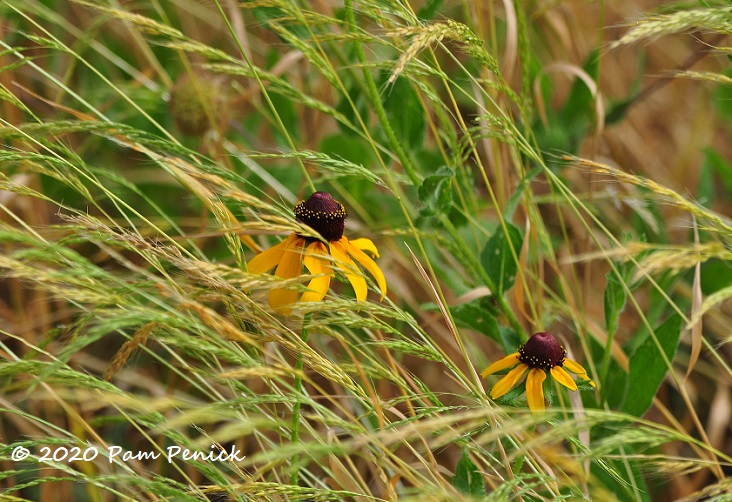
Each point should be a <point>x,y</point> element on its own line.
<point>199,102</point>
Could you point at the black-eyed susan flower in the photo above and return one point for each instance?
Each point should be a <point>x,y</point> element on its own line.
<point>541,353</point>
<point>321,258</point>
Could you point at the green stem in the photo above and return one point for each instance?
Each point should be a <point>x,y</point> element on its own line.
<point>295,434</point>
<point>606,365</point>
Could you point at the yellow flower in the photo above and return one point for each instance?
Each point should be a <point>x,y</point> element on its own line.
<point>541,353</point>
<point>321,258</point>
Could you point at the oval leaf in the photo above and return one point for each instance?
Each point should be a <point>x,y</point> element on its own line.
<point>498,260</point>
<point>647,367</point>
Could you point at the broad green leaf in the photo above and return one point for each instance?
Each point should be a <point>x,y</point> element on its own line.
<point>435,192</point>
<point>429,9</point>
<point>481,315</point>
<point>615,298</point>
<point>580,101</point>
<point>288,115</point>
<point>516,196</point>
<point>615,385</point>
<point>566,127</point>
<point>499,257</point>
<point>510,340</point>
<point>478,315</point>
<point>405,112</point>
<point>647,367</point>
<point>346,106</point>
<point>716,274</point>
<point>274,16</point>
<point>347,147</point>
<point>714,169</point>
<point>468,480</point>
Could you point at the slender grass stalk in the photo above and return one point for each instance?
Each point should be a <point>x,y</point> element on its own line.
<point>295,434</point>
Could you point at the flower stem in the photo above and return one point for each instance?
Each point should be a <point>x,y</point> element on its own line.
<point>295,434</point>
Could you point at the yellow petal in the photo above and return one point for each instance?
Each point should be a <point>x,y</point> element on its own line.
<point>270,258</point>
<point>574,367</point>
<point>507,382</point>
<point>585,377</point>
<point>366,245</point>
<point>367,263</point>
<point>502,364</point>
<point>577,368</point>
<point>535,390</point>
<point>290,266</point>
<point>316,260</point>
<point>563,377</point>
<point>346,265</point>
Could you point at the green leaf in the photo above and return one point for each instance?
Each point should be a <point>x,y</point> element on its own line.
<point>567,126</point>
<point>510,340</point>
<point>615,298</point>
<point>516,196</point>
<point>580,101</point>
<point>714,169</point>
<point>346,106</point>
<point>647,367</point>
<point>268,16</point>
<point>615,385</point>
<point>435,192</point>
<point>498,259</point>
<point>405,112</point>
<point>467,479</point>
<point>288,115</point>
<point>715,275</point>
<point>429,9</point>
<point>479,315</point>
<point>347,147</point>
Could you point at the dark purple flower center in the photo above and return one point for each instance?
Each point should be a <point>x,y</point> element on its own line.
<point>322,213</point>
<point>543,351</point>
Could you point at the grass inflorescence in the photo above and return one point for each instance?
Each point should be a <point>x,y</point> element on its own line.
<point>172,329</point>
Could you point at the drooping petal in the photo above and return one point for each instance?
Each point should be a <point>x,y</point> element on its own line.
<point>270,258</point>
<point>367,263</point>
<point>507,382</point>
<point>290,266</point>
<point>563,377</point>
<point>351,271</point>
<point>577,368</point>
<point>507,362</point>
<point>366,245</point>
<point>589,380</point>
<point>574,367</point>
<point>316,260</point>
<point>535,390</point>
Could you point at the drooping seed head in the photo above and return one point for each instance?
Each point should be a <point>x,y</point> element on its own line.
<point>543,351</point>
<point>323,214</point>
